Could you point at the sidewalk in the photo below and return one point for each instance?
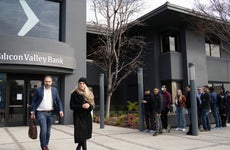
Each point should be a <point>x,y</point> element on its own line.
<point>116,138</point>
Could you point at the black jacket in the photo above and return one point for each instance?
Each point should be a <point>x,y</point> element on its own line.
<point>188,101</point>
<point>148,107</point>
<point>222,101</point>
<point>206,101</point>
<point>157,103</point>
<point>82,118</point>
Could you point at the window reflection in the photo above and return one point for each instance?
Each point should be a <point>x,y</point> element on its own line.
<point>212,48</point>
<point>13,18</point>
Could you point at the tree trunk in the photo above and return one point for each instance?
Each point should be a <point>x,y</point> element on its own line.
<point>108,101</point>
<point>108,94</point>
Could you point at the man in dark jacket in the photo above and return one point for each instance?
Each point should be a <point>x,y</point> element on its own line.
<point>45,100</point>
<point>157,108</point>
<point>206,100</point>
<point>148,110</point>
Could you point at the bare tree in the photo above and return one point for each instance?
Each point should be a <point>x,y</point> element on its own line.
<point>118,52</point>
<point>213,18</point>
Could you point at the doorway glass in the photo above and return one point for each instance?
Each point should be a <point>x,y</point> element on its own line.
<point>17,100</point>
<point>31,87</point>
<point>2,98</point>
<point>16,92</point>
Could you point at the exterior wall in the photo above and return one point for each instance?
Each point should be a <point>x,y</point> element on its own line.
<point>195,53</point>
<point>218,69</point>
<point>93,73</point>
<point>225,53</point>
<point>171,66</point>
<point>74,33</point>
<point>165,67</point>
<point>152,64</point>
<point>158,66</point>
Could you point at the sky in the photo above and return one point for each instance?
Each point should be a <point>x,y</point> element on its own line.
<point>149,5</point>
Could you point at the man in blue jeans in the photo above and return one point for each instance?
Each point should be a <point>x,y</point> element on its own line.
<point>45,99</point>
<point>215,108</point>
<point>206,100</point>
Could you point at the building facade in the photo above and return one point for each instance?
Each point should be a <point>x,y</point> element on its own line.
<point>38,38</point>
<point>170,46</point>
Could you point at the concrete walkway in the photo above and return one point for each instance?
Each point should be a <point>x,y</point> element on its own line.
<point>116,138</point>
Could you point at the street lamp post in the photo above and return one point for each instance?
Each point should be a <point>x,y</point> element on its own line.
<point>193,100</point>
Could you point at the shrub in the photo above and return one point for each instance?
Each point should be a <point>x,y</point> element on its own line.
<point>132,106</point>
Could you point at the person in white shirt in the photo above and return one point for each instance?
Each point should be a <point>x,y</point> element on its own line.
<point>45,99</point>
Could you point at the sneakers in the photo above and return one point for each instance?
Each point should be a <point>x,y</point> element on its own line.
<point>151,131</point>
<point>155,134</point>
<point>146,130</point>
<point>183,129</point>
<point>203,130</point>
<point>189,133</point>
<point>177,129</point>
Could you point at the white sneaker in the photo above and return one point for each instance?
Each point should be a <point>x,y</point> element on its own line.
<point>151,131</point>
<point>177,129</point>
<point>183,129</point>
<point>146,130</point>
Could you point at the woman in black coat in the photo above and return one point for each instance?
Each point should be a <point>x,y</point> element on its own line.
<point>82,103</point>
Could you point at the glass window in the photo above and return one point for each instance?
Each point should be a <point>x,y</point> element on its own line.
<point>169,42</point>
<point>36,18</point>
<point>218,86</point>
<point>215,50</point>
<point>172,43</point>
<point>207,49</point>
<point>212,49</point>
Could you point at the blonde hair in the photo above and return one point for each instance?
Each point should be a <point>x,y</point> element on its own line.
<point>86,93</point>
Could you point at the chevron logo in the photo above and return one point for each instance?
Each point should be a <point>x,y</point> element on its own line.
<point>32,19</point>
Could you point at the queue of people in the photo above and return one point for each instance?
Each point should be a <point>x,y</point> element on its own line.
<point>157,108</point>
<point>219,106</point>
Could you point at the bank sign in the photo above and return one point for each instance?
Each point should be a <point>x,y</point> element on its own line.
<point>31,58</point>
<point>35,58</point>
<point>36,51</point>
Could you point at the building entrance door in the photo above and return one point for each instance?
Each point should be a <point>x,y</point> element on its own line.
<point>19,93</point>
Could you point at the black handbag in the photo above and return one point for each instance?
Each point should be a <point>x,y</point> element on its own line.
<point>32,132</point>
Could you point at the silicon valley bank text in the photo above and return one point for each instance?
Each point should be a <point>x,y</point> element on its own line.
<point>31,58</point>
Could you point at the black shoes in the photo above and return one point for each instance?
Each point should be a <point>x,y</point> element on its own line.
<point>155,134</point>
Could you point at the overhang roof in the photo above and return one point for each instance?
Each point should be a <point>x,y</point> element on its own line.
<point>166,7</point>
<point>161,16</point>
<point>166,14</point>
